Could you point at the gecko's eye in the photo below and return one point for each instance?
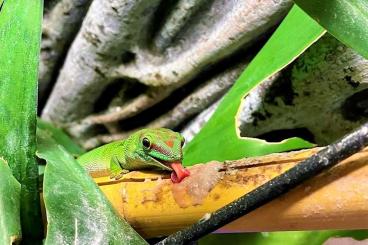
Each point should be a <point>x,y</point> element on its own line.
<point>146,143</point>
<point>182,142</point>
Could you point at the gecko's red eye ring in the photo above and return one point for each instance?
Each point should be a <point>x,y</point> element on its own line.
<point>146,143</point>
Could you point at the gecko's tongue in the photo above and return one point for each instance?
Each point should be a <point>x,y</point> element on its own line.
<point>179,172</point>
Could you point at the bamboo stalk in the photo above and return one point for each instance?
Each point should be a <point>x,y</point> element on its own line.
<point>335,199</point>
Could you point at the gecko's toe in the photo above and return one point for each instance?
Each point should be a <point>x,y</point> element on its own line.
<point>118,176</point>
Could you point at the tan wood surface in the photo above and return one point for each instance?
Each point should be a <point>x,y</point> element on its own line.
<point>336,199</point>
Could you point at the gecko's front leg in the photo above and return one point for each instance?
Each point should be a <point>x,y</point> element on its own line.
<point>116,172</point>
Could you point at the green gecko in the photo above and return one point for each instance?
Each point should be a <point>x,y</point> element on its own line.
<point>158,148</point>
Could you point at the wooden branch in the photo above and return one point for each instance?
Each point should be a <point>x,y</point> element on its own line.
<point>154,206</point>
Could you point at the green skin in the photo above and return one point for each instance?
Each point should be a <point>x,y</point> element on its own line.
<point>145,149</point>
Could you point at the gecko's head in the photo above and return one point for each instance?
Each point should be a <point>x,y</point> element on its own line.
<point>161,148</point>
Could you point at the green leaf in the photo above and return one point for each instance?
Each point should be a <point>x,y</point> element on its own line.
<point>10,230</point>
<point>219,139</point>
<point>77,210</point>
<point>280,238</point>
<point>20,34</point>
<point>60,137</point>
<point>347,20</point>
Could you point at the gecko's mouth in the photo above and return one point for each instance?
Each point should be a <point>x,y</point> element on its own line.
<point>178,171</point>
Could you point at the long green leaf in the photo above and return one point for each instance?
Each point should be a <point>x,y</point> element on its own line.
<point>347,20</point>
<point>20,34</point>
<point>10,231</point>
<point>77,210</point>
<point>281,238</point>
<point>219,139</point>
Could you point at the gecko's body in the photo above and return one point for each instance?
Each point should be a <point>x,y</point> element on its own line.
<point>146,149</point>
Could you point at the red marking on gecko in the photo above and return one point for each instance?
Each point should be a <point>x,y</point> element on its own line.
<point>169,143</point>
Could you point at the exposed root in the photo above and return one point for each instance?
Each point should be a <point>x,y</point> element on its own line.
<point>104,139</point>
<point>196,102</point>
<point>60,25</point>
<point>175,22</point>
<point>110,31</point>
<point>199,100</point>
<point>113,43</point>
<point>137,105</point>
<point>80,129</point>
